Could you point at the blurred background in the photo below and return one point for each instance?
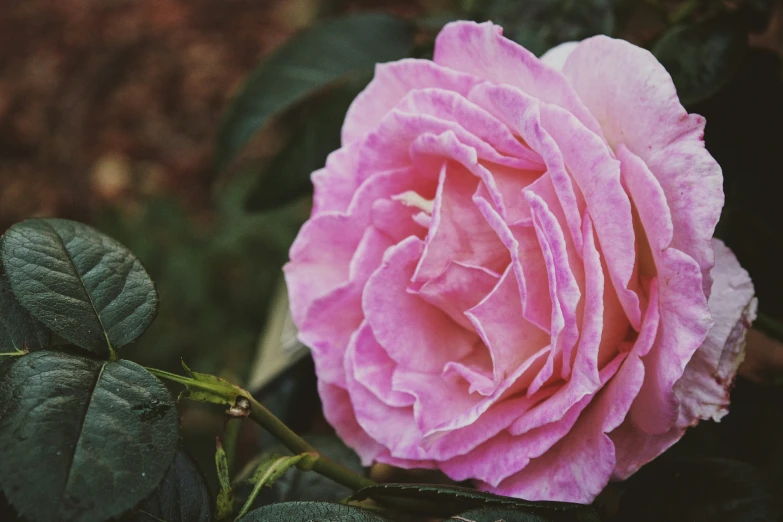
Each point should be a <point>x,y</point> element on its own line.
<point>118,113</point>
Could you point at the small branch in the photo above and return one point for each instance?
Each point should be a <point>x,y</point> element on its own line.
<point>207,388</point>
<point>323,465</point>
<point>13,354</point>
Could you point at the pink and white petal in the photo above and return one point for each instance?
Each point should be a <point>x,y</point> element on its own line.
<point>564,290</point>
<point>336,183</point>
<point>580,464</point>
<point>414,333</point>
<point>634,448</point>
<point>475,369</point>
<point>455,107</point>
<point>471,408</point>
<point>648,198</point>
<point>685,322</point>
<point>338,411</point>
<point>597,329</point>
<point>509,337</point>
<point>457,289</point>
<point>482,51</point>
<point>369,255</point>
<point>510,183</point>
<point>396,220</point>
<point>523,116</point>
<point>320,259</point>
<point>597,174</point>
<point>392,81</point>
<point>557,55</point>
<point>438,400</point>
<point>458,231</point>
<point>517,450</point>
<point>373,368</point>
<point>386,185</point>
<point>704,388</point>
<point>444,446</point>
<point>634,97</point>
<point>389,145</point>
<point>430,150</point>
<point>527,262</point>
<point>327,330</point>
<point>385,457</point>
<point>390,426</point>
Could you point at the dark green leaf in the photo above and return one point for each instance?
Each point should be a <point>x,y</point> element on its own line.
<point>81,439</point>
<point>302,485</point>
<point>81,284</point>
<point>268,472</point>
<point>448,500</point>
<point>708,490</point>
<point>182,496</point>
<point>311,512</point>
<point>23,331</point>
<point>308,62</point>
<point>539,25</point>
<point>702,57</point>
<point>315,136</point>
<point>225,498</point>
<point>495,514</point>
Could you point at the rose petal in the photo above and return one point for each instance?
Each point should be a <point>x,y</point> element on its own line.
<point>557,55</point>
<point>508,336</point>
<point>522,114</point>
<point>480,50</point>
<point>458,233</point>
<point>373,368</point>
<point>704,387</point>
<point>414,333</point>
<point>339,413</point>
<point>633,96</point>
<point>392,81</point>
<point>457,289</point>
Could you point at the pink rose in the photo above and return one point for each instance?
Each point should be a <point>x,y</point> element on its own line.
<point>509,273</point>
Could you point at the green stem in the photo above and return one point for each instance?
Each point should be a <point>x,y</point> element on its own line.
<point>230,436</point>
<point>770,326</point>
<point>208,388</point>
<point>12,354</point>
<point>322,465</point>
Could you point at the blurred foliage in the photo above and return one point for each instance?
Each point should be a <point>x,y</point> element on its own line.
<point>539,25</point>
<point>214,278</point>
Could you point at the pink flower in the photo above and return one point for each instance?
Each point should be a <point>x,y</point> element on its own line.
<point>509,273</point>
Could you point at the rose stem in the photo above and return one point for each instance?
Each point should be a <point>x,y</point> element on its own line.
<point>322,465</point>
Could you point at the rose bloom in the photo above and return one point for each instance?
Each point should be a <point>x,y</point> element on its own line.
<point>509,273</point>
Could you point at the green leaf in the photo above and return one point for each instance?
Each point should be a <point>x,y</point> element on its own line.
<point>702,57</point>
<point>182,496</point>
<point>311,512</point>
<point>316,135</point>
<point>267,473</point>
<point>81,284</point>
<point>448,500</point>
<point>311,60</point>
<point>225,498</point>
<point>299,485</point>
<point>23,331</point>
<point>81,440</point>
<point>203,387</point>
<point>539,25</point>
<point>708,490</point>
<point>495,514</point>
